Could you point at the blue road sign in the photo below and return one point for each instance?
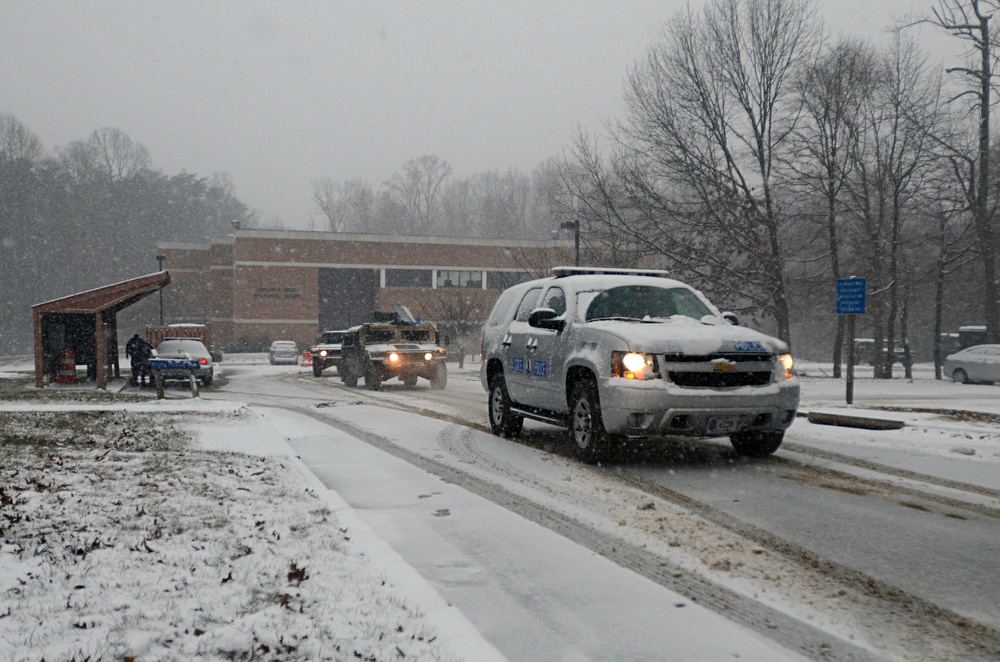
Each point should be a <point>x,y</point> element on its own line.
<point>852,296</point>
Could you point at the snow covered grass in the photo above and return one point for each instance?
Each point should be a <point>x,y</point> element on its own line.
<point>120,539</point>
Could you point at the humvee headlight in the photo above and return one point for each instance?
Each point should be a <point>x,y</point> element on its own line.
<point>632,365</point>
<point>428,356</point>
<point>393,357</point>
<point>322,352</point>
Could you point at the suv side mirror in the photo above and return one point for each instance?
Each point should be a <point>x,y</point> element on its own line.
<point>545,318</point>
<point>731,317</point>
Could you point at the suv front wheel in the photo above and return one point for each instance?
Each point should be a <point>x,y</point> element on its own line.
<point>503,422</point>
<point>591,441</point>
<point>756,444</point>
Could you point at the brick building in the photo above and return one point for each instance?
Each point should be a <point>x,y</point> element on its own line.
<point>259,285</point>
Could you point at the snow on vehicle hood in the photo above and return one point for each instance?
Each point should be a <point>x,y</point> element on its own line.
<point>683,335</point>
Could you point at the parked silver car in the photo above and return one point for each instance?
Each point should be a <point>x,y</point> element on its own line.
<point>283,351</point>
<point>980,363</point>
<point>187,348</point>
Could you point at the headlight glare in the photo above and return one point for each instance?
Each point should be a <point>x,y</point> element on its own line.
<point>393,357</point>
<point>784,366</point>
<point>632,365</point>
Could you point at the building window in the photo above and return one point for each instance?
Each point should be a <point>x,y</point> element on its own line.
<point>408,277</point>
<point>501,280</point>
<point>452,278</point>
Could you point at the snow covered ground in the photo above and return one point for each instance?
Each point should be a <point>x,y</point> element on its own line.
<point>188,527</point>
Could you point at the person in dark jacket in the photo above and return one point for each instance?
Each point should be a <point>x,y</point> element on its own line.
<point>139,351</point>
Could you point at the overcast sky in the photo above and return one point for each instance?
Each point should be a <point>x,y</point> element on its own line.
<point>281,93</point>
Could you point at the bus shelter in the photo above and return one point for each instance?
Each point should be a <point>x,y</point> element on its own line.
<point>83,328</point>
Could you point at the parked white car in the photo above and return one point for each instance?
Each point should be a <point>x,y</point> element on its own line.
<point>616,354</point>
<point>980,363</point>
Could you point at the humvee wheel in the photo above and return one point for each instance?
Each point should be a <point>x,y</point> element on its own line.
<point>373,378</point>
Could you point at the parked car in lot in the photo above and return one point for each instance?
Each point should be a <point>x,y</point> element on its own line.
<point>187,348</point>
<point>326,352</point>
<point>864,351</point>
<point>283,351</point>
<point>616,354</point>
<point>980,363</point>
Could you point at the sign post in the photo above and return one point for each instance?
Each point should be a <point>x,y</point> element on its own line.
<point>852,300</point>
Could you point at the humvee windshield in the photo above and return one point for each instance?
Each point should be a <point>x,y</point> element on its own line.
<point>375,336</point>
<point>417,335</point>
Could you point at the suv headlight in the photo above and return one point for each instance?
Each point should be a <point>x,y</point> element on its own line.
<point>632,365</point>
<point>783,367</point>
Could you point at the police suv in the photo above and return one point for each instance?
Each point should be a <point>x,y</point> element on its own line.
<point>622,353</point>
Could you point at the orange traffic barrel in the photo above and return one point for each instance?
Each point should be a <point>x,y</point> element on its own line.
<point>66,374</point>
<point>307,359</point>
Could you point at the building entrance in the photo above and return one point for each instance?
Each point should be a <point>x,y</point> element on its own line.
<point>346,297</point>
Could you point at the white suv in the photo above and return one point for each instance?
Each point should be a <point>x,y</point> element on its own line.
<point>625,353</point>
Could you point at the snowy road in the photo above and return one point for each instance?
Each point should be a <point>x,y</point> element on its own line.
<point>845,545</point>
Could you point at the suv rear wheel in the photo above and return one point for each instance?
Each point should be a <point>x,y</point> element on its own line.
<point>503,422</point>
<point>591,441</point>
<point>756,444</point>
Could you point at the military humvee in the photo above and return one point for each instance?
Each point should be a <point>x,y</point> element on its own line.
<point>392,345</point>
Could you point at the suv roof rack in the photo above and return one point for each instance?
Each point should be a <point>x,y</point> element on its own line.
<point>562,272</point>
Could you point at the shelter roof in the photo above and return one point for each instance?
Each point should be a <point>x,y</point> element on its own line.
<point>108,298</point>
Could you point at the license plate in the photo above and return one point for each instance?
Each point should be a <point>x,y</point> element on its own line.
<point>722,424</point>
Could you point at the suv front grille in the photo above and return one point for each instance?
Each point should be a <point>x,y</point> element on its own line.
<point>719,379</point>
<point>697,371</point>
<point>735,357</point>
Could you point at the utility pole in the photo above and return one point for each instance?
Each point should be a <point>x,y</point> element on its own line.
<point>573,225</point>
<point>160,258</point>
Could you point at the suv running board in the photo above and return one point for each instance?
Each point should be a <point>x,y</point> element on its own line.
<point>542,415</point>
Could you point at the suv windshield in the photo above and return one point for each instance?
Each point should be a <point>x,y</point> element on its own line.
<point>641,301</point>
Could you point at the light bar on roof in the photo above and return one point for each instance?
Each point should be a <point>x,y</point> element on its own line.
<point>560,272</point>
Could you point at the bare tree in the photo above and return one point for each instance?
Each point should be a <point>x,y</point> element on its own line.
<point>892,155</point>
<point>347,206</point>
<point>118,156</point>
<point>326,195</point>
<point>710,111</point>
<point>459,314</point>
<point>417,191</point>
<point>832,90</point>
<point>969,21</point>
<point>18,141</point>
<point>108,154</point>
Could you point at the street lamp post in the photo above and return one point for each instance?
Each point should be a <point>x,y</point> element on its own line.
<point>160,259</point>
<point>573,225</point>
